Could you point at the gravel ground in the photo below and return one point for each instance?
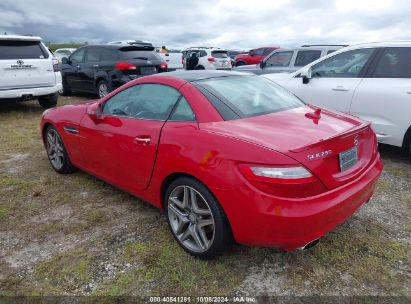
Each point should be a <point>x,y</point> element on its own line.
<point>76,235</point>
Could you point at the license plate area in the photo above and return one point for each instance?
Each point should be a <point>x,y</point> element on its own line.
<point>348,158</point>
<point>148,70</point>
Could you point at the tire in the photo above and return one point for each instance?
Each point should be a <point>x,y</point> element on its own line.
<point>103,88</point>
<point>189,204</point>
<point>66,90</point>
<point>48,101</point>
<point>56,152</point>
<point>240,63</point>
<point>199,68</point>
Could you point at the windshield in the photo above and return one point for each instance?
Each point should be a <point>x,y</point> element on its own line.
<point>143,55</point>
<point>219,54</point>
<point>251,96</point>
<point>21,50</point>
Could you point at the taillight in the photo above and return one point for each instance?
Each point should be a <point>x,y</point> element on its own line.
<point>123,66</point>
<point>56,66</point>
<point>292,181</point>
<point>211,59</point>
<point>163,65</point>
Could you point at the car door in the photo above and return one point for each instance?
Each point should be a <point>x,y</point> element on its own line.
<point>278,62</point>
<point>384,95</point>
<point>88,69</point>
<point>70,70</point>
<point>120,146</point>
<point>334,79</point>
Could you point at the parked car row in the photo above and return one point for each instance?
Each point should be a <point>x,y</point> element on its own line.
<point>289,60</point>
<point>371,81</point>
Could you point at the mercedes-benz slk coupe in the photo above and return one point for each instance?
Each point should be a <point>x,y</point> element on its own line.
<point>228,156</point>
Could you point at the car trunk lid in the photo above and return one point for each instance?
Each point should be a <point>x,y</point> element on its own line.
<point>315,143</point>
<point>221,59</point>
<point>144,57</point>
<point>24,64</point>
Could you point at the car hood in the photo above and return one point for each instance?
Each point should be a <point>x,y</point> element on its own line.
<point>247,67</point>
<point>279,76</point>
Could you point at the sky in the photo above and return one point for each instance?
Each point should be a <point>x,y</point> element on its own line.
<point>236,24</point>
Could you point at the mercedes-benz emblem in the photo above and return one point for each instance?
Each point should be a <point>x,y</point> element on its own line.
<point>20,62</point>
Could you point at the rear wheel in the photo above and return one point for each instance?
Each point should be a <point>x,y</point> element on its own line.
<point>199,68</point>
<point>240,63</point>
<point>57,153</point>
<point>196,219</point>
<point>48,101</point>
<point>103,88</point>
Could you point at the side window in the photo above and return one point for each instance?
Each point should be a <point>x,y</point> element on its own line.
<point>330,51</point>
<point>78,55</point>
<point>395,62</point>
<point>344,65</point>
<point>93,54</point>
<point>183,112</point>
<point>144,101</point>
<point>306,57</point>
<point>267,51</point>
<point>259,52</point>
<point>203,53</point>
<point>280,59</point>
<point>108,55</point>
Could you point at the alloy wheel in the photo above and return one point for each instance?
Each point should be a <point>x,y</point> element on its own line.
<point>55,149</point>
<point>102,90</point>
<point>191,219</point>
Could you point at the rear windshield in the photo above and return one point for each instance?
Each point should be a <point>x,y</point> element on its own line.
<point>21,50</point>
<point>219,54</point>
<point>250,96</point>
<point>132,53</point>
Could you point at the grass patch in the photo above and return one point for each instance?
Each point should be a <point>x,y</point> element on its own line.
<point>4,213</point>
<point>67,269</point>
<point>369,258</point>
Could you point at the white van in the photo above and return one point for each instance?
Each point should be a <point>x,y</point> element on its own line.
<point>28,70</point>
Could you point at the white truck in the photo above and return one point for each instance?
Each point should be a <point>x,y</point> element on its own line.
<point>28,70</point>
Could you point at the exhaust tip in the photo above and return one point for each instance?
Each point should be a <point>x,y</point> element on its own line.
<point>310,245</point>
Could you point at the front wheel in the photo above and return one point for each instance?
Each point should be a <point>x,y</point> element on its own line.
<point>196,219</point>
<point>57,153</point>
<point>48,101</point>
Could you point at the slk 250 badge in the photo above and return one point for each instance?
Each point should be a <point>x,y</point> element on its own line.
<point>319,155</point>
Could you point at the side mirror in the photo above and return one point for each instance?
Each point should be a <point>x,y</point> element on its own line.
<point>263,63</point>
<point>251,52</point>
<point>306,75</point>
<point>94,111</point>
<point>64,60</point>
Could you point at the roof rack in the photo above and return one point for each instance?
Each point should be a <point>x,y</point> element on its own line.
<point>308,45</point>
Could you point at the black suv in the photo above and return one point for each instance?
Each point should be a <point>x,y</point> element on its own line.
<point>99,69</point>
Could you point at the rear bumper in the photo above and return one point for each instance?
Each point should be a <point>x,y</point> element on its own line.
<point>29,93</point>
<point>260,219</point>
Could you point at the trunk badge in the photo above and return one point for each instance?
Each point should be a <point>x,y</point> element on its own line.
<point>356,140</point>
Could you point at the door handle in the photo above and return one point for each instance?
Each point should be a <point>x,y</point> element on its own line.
<point>142,140</point>
<point>340,88</point>
<point>95,65</point>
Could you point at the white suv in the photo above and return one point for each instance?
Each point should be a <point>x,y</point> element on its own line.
<point>372,81</point>
<point>209,58</point>
<point>28,70</point>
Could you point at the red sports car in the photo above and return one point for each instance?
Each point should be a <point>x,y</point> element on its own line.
<point>228,156</point>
